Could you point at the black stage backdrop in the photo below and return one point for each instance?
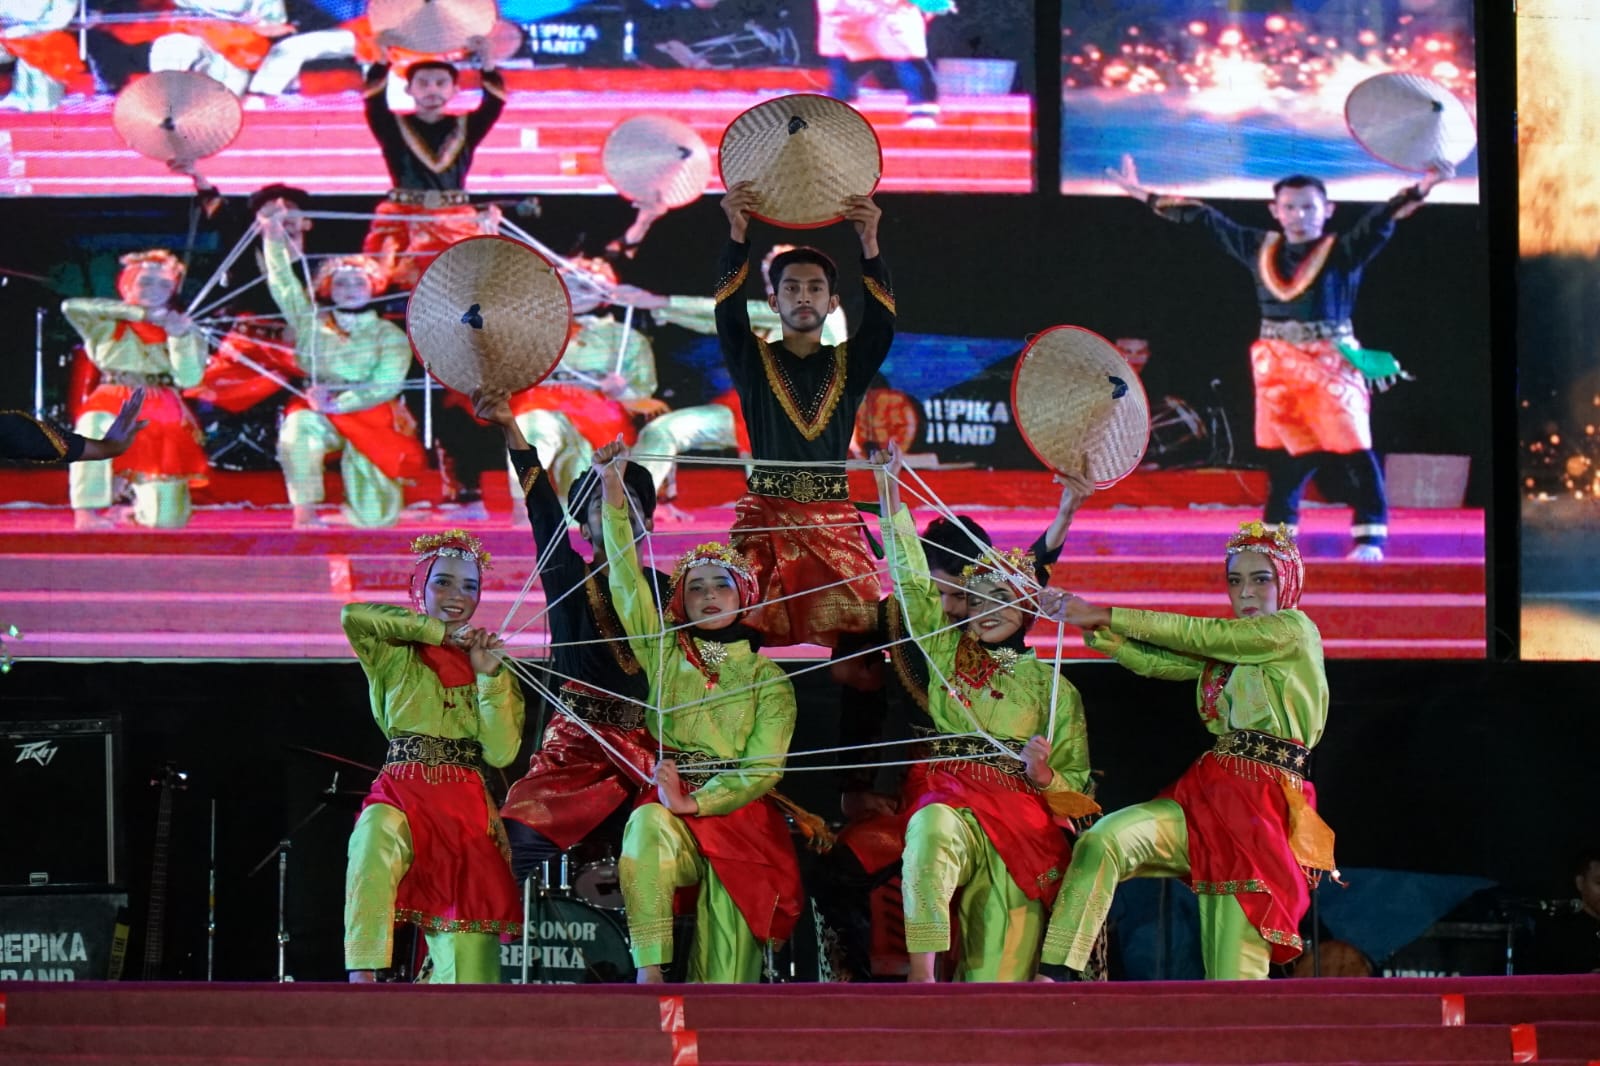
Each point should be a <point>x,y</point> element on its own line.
<point>1432,767</point>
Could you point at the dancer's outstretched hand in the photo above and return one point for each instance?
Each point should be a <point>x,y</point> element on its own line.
<point>1085,615</point>
<point>862,213</point>
<point>892,462</point>
<point>1053,604</point>
<point>1127,179</point>
<point>121,432</point>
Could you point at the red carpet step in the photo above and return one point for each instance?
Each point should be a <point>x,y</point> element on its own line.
<point>1460,1020</point>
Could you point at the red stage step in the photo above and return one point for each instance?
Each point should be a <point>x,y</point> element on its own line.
<point>1456,1020</point>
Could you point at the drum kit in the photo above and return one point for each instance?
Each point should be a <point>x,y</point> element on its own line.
<point>573,931</point>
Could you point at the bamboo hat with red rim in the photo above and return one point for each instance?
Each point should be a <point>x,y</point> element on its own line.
<point>1079,406</point>
<point>489,313</point>
<point>805,153</point>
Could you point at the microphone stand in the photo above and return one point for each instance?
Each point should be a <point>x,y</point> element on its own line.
<point>281,851</point>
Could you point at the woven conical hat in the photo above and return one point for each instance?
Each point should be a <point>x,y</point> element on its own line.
<point>805,153</point>
<point>489,313</point>
<point>432,26</point>
<point>653,159</point>
<point>177,114</point>
<point>1409,121</point>
<point>1079,406</point>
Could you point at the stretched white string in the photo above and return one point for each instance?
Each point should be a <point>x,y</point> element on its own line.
<point>526,675</point>
<point>1000,747</point>
<point>873,745</point>
<point>890,548</point>
<point>1055,683</point>
<point>227,261</point>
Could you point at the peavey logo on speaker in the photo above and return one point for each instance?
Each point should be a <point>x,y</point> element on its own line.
<point>39,751</point>
<point>30,950</point>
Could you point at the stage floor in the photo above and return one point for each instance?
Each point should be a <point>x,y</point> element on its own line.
<point>239,583</point>
<point>1328,1022</point>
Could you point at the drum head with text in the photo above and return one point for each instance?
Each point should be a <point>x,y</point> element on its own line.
<point>569,943</point>
<point>1079,406</point>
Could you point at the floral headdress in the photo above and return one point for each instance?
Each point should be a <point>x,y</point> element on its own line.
<point>134,263</point>
<point>1277,544</point>
<point>450,544</point>
<point>1015,567</point>
<point>712,553</point>
<point>376,276</point>
<point>707,655</point>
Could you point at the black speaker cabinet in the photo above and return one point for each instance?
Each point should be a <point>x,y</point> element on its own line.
<point>58,789</point>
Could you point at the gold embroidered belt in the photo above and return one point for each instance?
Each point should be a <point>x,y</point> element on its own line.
<point>434,751</point>
<point>706,766</point>
<point>132,379</point>
<point>1266,749</point>
<point>428,197</point>
<point>598,709</point>
<point>799,485</point>
<point>1278,329</point>
<point>971,749</point>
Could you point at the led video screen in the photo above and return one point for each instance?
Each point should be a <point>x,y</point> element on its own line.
<point>948,90</point>
<point>1220,99</point>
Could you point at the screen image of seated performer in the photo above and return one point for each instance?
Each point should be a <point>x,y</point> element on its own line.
<point>605,381</point>
<point>985,825</point>
<point>1240,826</point>
<point>854,884</point>
<point>1312,393</point>
<point>26,439</point>
<point>727,711</point>
<point>357,360</point>
<point>428,154</point>
<point>141,341</point>
<point>33,34</point>
<point>573,784</point>
<point>799,400</point>
<point>717,425</point>
<point>428,847</point>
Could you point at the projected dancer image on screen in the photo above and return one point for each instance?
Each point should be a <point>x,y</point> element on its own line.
<point>1240,826</point>
<point>428,154</point>
<point>1313,381</point>
<point>141,341</point>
